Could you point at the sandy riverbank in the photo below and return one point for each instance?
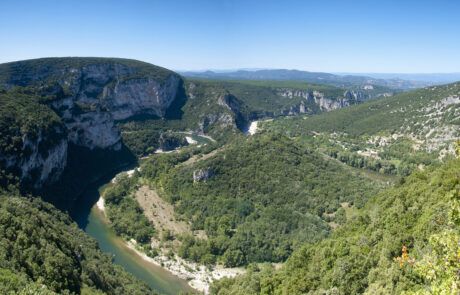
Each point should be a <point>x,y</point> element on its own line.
<point>199,277</point>
<point>101,204</point>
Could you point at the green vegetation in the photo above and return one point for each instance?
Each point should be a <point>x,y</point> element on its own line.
<point>283,195</point>
<point>439,267</point>
<point>364,256</point>
<point>143,141</point>
<point>124,212</point>
<point>266,196</point>
<point>409,113</point>
<point>329,91</point>
<point>22,119</point>
<point>385,155</point>
<point>22,116</point>
<point>393,136</point>
<point>264,96</point>
<point>42,251</point>
<point>204,110</point>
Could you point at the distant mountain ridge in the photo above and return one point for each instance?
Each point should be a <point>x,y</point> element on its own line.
<point>429,78</point>
<point>311,77</point>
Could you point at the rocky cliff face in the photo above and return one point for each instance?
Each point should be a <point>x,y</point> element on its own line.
<point>98,95</point>
<point>136,96</point>
<point>43,167</point>
<point>89,96</point>
<point>325,104</point>
<point>41,160</point>
<point>237,114</point>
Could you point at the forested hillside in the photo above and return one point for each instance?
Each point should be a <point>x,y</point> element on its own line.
<point>427,113</point>
<point>405,238</point>
<point>257,199</point>
<point>344,192</point>
<point>392,136</point>
<point>42,251</point>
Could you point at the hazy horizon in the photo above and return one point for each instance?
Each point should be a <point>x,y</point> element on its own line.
<point>223,70</point>
<point>307,70</point>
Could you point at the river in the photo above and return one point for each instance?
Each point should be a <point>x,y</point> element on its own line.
<point>92,221</point>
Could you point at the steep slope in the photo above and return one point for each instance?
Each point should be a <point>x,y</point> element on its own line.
<point>42,251</point>
<point>33,141</point>
<point>224,108</point>
<point>276,98</point>
<point>398,134</point>
<point>428,113</point>
<point>91,99</point>
<point>375,252</point>
<point>79,101</point>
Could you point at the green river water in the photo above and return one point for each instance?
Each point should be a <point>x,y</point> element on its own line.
<point>92,221</point>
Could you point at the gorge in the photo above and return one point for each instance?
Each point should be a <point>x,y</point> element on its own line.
<point>68,125</point>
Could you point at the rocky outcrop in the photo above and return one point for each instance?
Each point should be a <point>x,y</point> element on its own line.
<point>324,103</point>
<point>41,161</point>
<point>89,95</point>
<point>221,120</point>
<point>93,129</point>
<point>201,175</point>
<point>230,102</point>
<point>41,168</point>
<point>136,96</point>
<point>353,95</point>
<point>101,95</point>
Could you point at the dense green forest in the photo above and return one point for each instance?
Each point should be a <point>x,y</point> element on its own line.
<point>360,200</point>
<point>246,206</point>
<point>124,212</point>
<point>42,251</point>
<point>383,248</point>
<point>269,198</point>
<point>395,135</point>
<point>393,156</point>
<point>22,115</point>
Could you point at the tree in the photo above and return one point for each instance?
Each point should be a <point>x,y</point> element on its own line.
<point>441,266</point>
<point>233,258</point>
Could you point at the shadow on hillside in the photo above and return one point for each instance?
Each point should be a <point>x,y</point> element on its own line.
<point>175,112</point>
<point>86,168</point>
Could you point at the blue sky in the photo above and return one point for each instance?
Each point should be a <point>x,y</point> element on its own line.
<point>332,36</point>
